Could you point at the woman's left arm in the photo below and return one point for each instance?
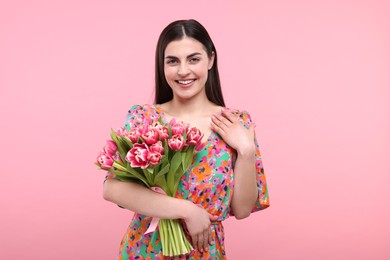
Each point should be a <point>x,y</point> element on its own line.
<point>242,140</point>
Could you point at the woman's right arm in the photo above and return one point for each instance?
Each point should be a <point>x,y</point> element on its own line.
<point>142,200</point>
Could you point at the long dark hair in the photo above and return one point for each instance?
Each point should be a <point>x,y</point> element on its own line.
<point>176,31</point>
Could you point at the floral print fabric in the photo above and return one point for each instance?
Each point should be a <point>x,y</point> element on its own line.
<point>209,182</point>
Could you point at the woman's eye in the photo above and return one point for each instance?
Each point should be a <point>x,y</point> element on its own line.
<point>171,61</point>
<point>194,60</point>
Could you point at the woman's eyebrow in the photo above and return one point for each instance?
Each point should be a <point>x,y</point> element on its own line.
<point>189,56</point>
<point>193,54</point>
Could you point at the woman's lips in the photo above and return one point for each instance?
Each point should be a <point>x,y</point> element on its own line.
<point>185,83</point>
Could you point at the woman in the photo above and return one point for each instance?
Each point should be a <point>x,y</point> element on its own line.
<point>188,89</point>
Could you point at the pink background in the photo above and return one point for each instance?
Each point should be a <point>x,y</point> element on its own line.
<point>313,74</point>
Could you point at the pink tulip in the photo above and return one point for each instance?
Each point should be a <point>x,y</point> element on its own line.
<point>155,158</point>
<point>161,129</point>
<point>157,148</point>
<point>156,125</point>
<point>199,146</point>
<point>163,133</point>
<point>120,131</point>
<point>194,136</point>
<point>132,134</point>
<point>177,127</point>
<point>105,161</point>
<point>150,136</point>
<point>176,142</point>
<point>138,156</point>
<point>110,148</point>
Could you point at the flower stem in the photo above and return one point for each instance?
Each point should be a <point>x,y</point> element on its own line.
<point>173,239</point>
<point>119,166</point>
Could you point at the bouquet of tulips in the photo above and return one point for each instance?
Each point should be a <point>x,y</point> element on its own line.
<point>156,155</point>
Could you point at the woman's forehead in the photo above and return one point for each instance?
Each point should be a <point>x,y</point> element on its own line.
<point>184,46</point>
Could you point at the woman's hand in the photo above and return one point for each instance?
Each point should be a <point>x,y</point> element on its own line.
<point>233,132</point>
<point>198,224</point>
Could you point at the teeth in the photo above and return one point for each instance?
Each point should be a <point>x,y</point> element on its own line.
<point>185,82</point>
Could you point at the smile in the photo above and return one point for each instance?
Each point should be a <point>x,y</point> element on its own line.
<point>185,82</point>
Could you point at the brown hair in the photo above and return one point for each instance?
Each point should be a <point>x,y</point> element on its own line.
<point>176,31</point>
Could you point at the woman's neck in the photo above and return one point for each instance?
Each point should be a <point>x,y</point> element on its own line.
<point>187,108</point>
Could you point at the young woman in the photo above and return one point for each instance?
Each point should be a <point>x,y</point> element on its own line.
<point>226,177</point>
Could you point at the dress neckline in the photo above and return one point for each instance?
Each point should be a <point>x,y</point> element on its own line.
<point>160,111</point>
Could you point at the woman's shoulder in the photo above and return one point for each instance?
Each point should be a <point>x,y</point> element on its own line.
<point>242,115</point>
<point>142,108</point>
<point>140,114</point>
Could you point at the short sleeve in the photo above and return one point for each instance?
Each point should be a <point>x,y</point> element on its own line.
<point>263,199</point>
<point>137,115</point>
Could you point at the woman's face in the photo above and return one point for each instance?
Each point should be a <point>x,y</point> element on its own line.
<point>186,66</point>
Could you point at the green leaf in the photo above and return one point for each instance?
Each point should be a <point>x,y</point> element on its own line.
<point>122,174</point>
<point>156,168</point>
<point>119,165</point>
<point>149,176</point>
<point>161,182</point>
<point>128,179</point>
<point>169,130</point>
<point>170,183</point>
<point>122,147</point>
<point>183,159</point>
<point>163,170</point>
<point>175,162</point>
<point>160,120</point>
<point>177,183</point>
<point>113,134</point>
<point>151,170</point>
<point>137,174</point>
<point>119,173</point>
<point>188,158</point>
<point>127,142</point>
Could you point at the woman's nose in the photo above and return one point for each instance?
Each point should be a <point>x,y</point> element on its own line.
<point>183,69</point>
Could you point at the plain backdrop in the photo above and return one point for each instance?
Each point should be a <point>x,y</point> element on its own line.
<point>314,75</point>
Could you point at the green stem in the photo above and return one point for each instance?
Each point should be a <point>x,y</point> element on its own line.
<point>179,232</point>
<point>173,240</point>
<point>161,226</point>
<point>119,166</point>
<point>173,237</point>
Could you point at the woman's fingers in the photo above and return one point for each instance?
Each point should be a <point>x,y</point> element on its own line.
<point>200,242</point>
<point>229,115</point>
<point>195,241</point>
<point>221,121</point>
<point>206,239</point>
<point>211,237</point>
<point>199,227</point>
<point>203,240</point>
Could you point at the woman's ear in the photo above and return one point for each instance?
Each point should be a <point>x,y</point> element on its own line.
<point>211,62</point>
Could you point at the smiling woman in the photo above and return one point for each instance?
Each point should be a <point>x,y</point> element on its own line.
<point>225,178</point>
<point>186,67</point>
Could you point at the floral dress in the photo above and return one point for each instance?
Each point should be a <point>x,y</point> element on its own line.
<point>209,182</point>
